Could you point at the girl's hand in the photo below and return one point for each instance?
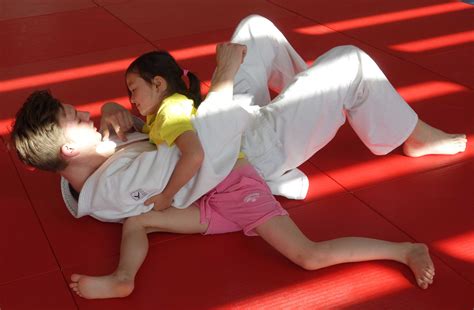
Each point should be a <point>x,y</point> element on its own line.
<point>160,202</point>
<point>116,116</point>
<point>230,56</point>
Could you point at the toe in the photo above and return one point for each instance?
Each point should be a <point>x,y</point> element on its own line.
<point>427,280</point>
<point>75,277</point>
<point>430,273</point>
<point>422,284</point>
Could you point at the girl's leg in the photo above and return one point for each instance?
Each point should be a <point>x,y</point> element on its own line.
<point>282,233</point>
<point>133,250</point>
<point>270,61</point>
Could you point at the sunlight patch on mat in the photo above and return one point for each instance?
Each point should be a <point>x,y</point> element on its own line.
<point>427,90</point>
<point>82,72</point>
<point>194,52</point>
<point>374,171</point>
<point>436,42</point>
<point>460,246</point>
<point>383,18</point>
<point>64,75</point>
<point>337,289</point>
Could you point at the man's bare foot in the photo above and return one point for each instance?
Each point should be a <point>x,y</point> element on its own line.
<point>419,260</point>
<point>110,286</point>
<point>427,140</point>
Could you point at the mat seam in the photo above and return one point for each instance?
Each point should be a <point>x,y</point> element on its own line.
<point>48,14</point>
<point>123,22</point>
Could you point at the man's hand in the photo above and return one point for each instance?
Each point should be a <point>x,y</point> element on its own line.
<point>116,116</point>
<point>229,57</point>
<point>160,202</point>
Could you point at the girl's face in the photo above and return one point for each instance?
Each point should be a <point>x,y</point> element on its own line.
<point>147,97</point>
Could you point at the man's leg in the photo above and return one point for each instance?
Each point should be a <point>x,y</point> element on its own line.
<point>283,234</point>
<point>270,61</point>
<point>343,82</point>
<point>133,250</point>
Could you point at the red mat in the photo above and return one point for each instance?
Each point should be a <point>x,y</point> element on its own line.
<point>62,34</point>
<point>27,8</point>
<point>432,210</point>
<point>79,49</point>
<point>184,17</point>
<point>21,235</point>
<point>447,64</point>
<point>45,291</point>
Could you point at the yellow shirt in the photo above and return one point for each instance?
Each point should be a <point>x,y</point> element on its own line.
<point>172,119</point>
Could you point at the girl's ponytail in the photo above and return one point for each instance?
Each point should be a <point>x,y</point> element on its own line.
<point>194,91</point>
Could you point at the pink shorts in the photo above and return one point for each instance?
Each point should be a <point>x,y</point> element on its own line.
<point>242,201</point>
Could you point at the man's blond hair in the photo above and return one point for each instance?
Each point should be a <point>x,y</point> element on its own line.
<point>37,134</point>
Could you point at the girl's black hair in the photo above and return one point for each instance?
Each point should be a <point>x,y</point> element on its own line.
<point>161,63</point>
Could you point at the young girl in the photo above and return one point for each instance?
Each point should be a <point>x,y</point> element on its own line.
<point>156,86</point>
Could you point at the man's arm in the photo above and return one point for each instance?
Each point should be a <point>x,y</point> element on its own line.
<point>229,57</point>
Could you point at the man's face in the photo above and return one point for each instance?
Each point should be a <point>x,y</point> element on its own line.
<point>78,128</point>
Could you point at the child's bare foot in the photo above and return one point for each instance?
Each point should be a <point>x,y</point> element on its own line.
<point>427,140</point>
<point>110,286</point>
<point>419,261</point>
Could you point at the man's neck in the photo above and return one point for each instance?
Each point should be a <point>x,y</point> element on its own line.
<point>79,170</point>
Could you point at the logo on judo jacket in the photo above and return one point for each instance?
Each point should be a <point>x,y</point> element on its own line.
<point>138,194</point>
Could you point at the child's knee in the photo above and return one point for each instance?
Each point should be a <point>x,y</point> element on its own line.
<point>311,259</point>
<point>134,222</point>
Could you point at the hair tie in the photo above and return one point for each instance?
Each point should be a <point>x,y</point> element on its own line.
<point>186,79</point>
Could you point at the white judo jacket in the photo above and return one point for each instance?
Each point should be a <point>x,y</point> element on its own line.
<point>119,187</point>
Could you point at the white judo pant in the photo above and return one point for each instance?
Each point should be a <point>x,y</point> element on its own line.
<point>313,102</point>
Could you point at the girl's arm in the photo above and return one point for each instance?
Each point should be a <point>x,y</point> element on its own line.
<point>192,155</point>
<point>115,115</point>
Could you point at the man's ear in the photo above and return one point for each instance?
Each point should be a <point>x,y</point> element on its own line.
<point>69,150</point>
<point>160,83</point>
